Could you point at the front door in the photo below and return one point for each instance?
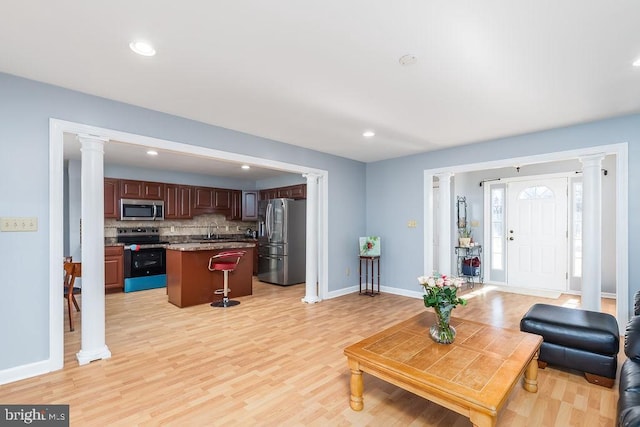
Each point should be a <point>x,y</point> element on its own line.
<point>537,234</point>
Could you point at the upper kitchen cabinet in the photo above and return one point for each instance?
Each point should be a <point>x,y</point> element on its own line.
<point>249,205</point>
<point>111,198</point>
<point>222,199</point>
<point>271,193</point>
<point>295,192</point>
<point>130,189</point>
<point>298,191</point>
<point>202,200</point>
<point>236,205</point>
<point>177,201</point>
<point>211,200</point>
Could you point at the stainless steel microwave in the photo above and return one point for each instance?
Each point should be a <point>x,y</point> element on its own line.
<point>141,210</point>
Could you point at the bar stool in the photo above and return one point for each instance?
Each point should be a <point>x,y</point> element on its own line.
<point>225,262</point>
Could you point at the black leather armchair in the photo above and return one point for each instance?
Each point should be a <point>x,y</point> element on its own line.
<point>629,400</point>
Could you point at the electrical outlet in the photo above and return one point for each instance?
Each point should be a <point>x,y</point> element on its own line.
<point>173,229</point>
<point>412,223</point>
<point>348,272</point>
<point>475,223</point>
<point>19,224</point>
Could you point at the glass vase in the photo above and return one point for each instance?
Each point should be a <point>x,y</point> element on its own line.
<point>442,332</point>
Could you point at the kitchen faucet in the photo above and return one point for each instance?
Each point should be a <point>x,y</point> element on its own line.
<point>209,228</point>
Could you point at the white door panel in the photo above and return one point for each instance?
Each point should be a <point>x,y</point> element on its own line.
<point>537,234</point>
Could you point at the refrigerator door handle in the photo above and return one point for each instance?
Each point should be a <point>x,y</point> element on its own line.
<point>268,221</point>
<point>279,258</point>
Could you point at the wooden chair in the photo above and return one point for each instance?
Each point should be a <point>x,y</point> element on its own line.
<point>71,271</point>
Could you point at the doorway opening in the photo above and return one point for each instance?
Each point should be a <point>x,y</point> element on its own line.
<point>619,197</point>
<point>527,224</point>
<point>57,129</point>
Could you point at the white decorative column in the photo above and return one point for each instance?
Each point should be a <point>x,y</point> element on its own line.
<point>311,289</point>
<point>591,231</point>
<point>93,346</point>
<point>444,224</point>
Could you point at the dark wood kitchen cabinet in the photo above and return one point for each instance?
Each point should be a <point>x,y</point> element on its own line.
<point>236,205</point>
<point>113,268</point>
<point>249,205</point>
<point>130,189</point>
<point>211,200</point>
<point>268,194</point>
<point>177,201</point>
<point>298,191</point>
<point>202,200</point>
<point>222,200</point>
<point>111,198</point>
<point>295,192</point>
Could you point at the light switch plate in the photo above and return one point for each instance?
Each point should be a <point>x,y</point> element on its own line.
<point>19,224</point>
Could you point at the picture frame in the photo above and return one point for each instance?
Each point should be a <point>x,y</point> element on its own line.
<point>369,246</point>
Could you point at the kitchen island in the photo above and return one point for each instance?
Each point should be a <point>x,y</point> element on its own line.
<point>189,281</point>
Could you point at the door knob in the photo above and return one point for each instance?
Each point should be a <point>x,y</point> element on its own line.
<point>511,238</point>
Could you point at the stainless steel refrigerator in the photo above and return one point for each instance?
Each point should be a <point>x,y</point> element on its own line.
<point>282,241</point>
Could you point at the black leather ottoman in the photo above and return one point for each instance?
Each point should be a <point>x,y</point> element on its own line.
<point>583,340</point>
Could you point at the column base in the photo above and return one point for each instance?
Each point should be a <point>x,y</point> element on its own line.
<point>310,299</point>
<point>86,356</point>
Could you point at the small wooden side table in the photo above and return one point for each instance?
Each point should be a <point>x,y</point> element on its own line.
<point>369,262</point>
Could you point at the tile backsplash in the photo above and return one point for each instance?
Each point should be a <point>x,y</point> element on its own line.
<point>199,225</point>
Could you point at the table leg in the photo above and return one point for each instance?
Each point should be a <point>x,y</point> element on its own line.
<point>357,386</point>
<point>366,275</point>
<point>372,288</point>
<point>360,271</point>
<point>478,419</point>
<point>378,263</point>
<point>531,375</point>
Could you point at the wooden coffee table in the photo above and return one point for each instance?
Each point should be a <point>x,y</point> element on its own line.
<point>473,376</point>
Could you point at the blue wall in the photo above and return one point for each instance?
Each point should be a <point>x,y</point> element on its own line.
<point>374,199</point>
<point>25,109</point>
<point>395,190</point>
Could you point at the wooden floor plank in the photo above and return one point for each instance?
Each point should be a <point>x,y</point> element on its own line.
<point>275,361</point>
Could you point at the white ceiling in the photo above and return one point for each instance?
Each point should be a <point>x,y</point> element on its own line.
<point>127,154</point>
<point>317,74</point>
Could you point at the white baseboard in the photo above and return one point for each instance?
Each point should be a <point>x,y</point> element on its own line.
<point>25,371</point>
<point>384,289</point>
<point>544,293</point>
<point>402,292</point>
<point>341,292</point>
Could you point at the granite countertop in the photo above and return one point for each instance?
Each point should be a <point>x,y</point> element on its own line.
<point>209,246</point>
<point>187,240</point>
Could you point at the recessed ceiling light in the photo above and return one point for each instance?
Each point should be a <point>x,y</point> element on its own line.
<point>245,167</point>
<point>408,59</point>
<point>368,133</point>
<point>152,152</point>
<point>636,63</point>
<point>142,47</point>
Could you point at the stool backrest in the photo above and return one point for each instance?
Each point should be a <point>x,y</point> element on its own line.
<point>227,256</point>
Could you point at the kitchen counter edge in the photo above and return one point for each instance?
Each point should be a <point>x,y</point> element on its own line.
<point>209,246</point>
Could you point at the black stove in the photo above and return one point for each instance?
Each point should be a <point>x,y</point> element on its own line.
<point>144,260</point>
<point>139,236</point>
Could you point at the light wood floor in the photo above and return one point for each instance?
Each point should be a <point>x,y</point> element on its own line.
<point>275,361</point>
